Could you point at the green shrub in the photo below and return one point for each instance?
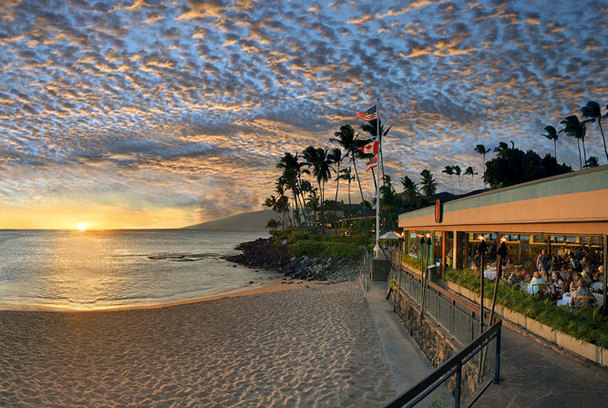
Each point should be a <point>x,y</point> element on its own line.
<point>583,324</point>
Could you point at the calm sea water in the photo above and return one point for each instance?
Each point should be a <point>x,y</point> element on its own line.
<point>71,270</point>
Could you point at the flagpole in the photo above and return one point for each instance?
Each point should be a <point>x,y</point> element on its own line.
<point>377,247</point>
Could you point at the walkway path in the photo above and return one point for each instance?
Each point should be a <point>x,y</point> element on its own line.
<point>532,374</point>
<point>538,376</point>
<point>405,359</point>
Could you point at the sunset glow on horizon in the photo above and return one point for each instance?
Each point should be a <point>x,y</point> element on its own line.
<point>139,114</point>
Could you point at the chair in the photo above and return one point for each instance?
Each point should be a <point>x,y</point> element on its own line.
<point>584,301</point>
<point>543,288</point>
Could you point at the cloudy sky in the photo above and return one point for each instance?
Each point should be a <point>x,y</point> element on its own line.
<point>165,113</point>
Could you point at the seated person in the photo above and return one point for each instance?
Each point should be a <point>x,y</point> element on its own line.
<point>598,276</point>
<point>533,286</point>
<point>584,292</point>
<point>586,275</point>
<point>557,285</point>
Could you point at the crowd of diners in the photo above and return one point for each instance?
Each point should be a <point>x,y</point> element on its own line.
<point>570,276</point>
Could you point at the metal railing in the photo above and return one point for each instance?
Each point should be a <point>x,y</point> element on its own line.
<point>460,319</point>
<point>453,369</point>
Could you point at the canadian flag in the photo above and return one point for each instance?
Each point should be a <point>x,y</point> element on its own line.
<point>370,148</point>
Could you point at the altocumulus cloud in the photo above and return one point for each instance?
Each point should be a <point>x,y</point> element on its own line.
<point>189,104</point>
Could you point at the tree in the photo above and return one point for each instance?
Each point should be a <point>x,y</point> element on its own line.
<point>292,173</point>
<point>591,162</point>
<point>389,201</point>
<point>552,135</point>
<point>428,185</point>
<point>273,224</point>
<point>458,173</point>
<point>449,170</point>
<point>593,111</point>
<point>514,166</point>
<point>481,149</point>
<point>501,148</point>
<point>346,174</point>
<point>470,171</point>
<point>321,169</point>
<point>346,138</point>
<point>410,189</point>
<point>335,157</point>
<point>279,204</point>
<point>577,129</point>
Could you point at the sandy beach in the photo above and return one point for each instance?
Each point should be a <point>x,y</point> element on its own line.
<point>314,347</point>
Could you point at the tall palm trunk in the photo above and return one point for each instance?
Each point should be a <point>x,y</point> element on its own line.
<point>584,151</point>
<point>337,187</point>
<point>599,122</point>
<point>297,214</point>
<point>349,191</point>
<point>555,149</point>
<point>580,160</point>
<point>357,174</point>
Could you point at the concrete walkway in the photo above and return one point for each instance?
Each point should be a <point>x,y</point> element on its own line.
<point>405,359</point>
<point>533,375</point>
<point>539,376</point>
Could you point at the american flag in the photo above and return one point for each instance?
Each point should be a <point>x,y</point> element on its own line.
<point>368,115</point>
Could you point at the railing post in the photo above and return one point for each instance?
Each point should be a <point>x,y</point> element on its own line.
<point>458,385</point>
<point>452,305</point>
<point>497,373</point>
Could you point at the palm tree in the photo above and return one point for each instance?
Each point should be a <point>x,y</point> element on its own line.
<point>346,174</point>
<point>577,129</point>
<point>449,170</point>
<point>481,149</point>
<point>591,162</point>
<point>346,138</point>
<point>292,172</point>
<point>501,148</point>
<point>470,171</point>
<point>428,185</point>
<point>410,188</point>
<point>593,111</point>
<point>457,172</point>
<point>552,135</point>
<point>321,169</point>
<point>335,156</point>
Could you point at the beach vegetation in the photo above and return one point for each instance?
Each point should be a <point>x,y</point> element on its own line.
<point>552,135</point>
<point>428,185</point>
<point>513,166</point>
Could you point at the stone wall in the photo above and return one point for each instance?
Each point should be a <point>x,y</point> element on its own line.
<point>436,345</point>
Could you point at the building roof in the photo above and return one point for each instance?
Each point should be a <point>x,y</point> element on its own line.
<point>573,203</point>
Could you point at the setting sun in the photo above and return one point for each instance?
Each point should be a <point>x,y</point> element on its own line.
<point>81,226</point>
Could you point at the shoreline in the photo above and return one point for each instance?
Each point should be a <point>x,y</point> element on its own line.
<point>271,285</point>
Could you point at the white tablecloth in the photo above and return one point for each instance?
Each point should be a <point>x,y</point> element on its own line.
<point>567,299</point>
<point>489,274</point>
<point>597,286</point>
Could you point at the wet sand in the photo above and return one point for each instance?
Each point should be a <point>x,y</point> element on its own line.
<point>315,347</point>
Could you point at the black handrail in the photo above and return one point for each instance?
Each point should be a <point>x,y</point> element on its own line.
<point>454,362</point>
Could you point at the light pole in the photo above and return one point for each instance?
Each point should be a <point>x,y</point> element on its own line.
<point>482,249</point>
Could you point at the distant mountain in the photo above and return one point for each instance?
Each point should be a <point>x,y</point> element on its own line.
<point>255,220</point>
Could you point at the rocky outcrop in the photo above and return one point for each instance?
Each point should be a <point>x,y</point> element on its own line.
<point>262,253</point>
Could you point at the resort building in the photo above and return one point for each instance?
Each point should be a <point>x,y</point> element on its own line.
<point>565,216</point>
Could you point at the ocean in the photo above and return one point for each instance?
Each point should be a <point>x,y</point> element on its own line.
<point>96,270</point>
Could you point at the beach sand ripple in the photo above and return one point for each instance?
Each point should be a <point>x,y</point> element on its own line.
<point>315,347</point>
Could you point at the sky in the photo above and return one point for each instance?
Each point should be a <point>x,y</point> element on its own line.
<point>167,113</point>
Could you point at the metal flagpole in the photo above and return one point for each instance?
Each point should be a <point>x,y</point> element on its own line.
<point>377,248</point>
